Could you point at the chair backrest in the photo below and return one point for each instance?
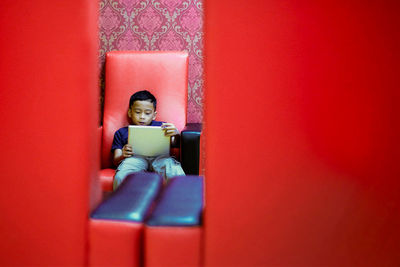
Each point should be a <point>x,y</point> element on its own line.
<point>164,74</point>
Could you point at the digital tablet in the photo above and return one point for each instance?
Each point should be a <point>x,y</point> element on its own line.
<point>148,141</point>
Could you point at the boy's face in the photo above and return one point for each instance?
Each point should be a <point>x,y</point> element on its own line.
<point>142,112</point>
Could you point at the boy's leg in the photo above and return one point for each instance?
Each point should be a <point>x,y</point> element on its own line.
<point>167,167</point>
<point>128,166</point>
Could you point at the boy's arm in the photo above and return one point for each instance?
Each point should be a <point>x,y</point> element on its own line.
<point>172,131</point>
<point>121,154</point>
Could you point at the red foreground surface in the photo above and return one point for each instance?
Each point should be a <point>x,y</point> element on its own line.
<point>302,122</point>
<point>49,116</point>
<point>302,127</point>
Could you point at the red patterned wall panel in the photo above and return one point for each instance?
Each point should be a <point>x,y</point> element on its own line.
<point>157,25</point>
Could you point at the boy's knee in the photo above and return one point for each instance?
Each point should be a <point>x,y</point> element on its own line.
<point>163,161</point>
<point>168,167</point>
<point>128,166</point>
<point>172,163</point>
<point>118,178</point>
<point>134,163</point>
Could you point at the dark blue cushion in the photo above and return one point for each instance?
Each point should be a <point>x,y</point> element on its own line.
<point>133,198</point>
<point>180,204</point>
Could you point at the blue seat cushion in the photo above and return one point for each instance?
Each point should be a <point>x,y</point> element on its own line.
<point>180,204</point>
<point>132,200</point>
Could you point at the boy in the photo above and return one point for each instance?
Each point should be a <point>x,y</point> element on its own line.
<point>142,111</point>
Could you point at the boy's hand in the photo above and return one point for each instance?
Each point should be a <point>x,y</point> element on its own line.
<point>169,129</point>
<point>127,151</point>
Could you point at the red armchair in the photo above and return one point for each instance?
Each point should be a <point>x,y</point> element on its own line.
<point>162,73</point>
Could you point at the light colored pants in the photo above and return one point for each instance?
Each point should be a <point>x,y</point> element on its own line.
<point>164,165</point>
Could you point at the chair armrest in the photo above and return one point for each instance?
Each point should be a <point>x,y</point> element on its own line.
<point>190,148</point>
<point>177,142</point>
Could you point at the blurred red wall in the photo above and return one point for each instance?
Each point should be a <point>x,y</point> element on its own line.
<point>48,114</point>
<point>302,127</point>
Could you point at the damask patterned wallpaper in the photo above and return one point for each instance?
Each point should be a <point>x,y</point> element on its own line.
<point>151,25</point>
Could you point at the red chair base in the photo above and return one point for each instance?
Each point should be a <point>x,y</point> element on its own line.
<point>115,243</point>
<point>172,246</point>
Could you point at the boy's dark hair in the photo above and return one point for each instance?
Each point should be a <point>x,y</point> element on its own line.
<point>143,95</point>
